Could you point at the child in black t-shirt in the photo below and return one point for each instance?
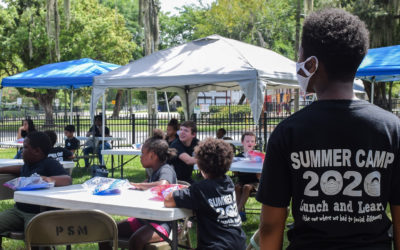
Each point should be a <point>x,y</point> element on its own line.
<point>58,153</point>
<point>213,199</point>
<point>247,182</point>
<point>155,153</point>
<point>71,143</point>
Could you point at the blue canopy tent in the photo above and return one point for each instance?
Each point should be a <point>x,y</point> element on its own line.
<point>380,65</point>
<point>71,75</point>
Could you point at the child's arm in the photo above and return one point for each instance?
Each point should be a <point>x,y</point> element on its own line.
<point>186,158</point>
<point>11,170</point>
<point>169,200</point>
<point>395,210</point>
<point>147,185</point>
<point>59,180</point>
<point>272,226</point>
<point>19,135</point>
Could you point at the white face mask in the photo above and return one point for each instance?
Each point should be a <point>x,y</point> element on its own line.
<point>303,81</point>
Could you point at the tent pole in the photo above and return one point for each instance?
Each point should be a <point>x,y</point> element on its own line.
<point>103,125</point>
<point>71,106</point>
<point>187,102</point>
<point>372,90</point>
<point>1,95</point>
<point>166,102</point>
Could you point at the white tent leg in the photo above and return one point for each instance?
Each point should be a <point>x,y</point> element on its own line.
<point>71,106</point>
<point>166,102</point>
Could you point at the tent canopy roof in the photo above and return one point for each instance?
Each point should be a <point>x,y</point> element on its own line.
<point>381,63</point>
<point>62,75</point>
<point>210,63</point>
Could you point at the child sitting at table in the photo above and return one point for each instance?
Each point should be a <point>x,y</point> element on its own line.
<point>247,182</point>
<point>58,153</point>
<point>213,199</point>
<point>71,143</point>
<point>155,153</point>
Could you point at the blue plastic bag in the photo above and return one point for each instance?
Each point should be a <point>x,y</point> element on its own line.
<point>32,182</point>
<point>106,186</point>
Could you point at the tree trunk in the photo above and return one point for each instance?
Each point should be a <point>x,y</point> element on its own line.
<point>118,102</point>
<point>46,101</point>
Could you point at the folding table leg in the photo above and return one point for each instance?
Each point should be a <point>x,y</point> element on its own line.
<point>122,166</point>
<point>174,225</point>
<point>112,166</point>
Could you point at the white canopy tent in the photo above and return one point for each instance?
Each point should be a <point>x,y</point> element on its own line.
<point>210,63</point>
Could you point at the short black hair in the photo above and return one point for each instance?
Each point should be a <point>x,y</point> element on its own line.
<point>214,157</point>
<point>52,135</point>
<point>70,128</point>
<point>40,140</point>
<point>174,123</point>
<point>338,39</point>
<point>191,125</point>
<point>222,130</point>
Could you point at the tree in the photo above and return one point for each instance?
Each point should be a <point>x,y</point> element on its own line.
<point>269,24</point>
<point>93,31</point>
<point>382,18</point>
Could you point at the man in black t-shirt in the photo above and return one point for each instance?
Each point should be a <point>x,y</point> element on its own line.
<point>337,160</point>
<point>184,146</point>
<point>96,129</point>
<point>213,199</point>
<point>58,153</point>
<point>35,150</point>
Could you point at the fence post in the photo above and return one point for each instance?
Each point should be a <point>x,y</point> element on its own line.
<point>265,130</point>
<point>78,126</point>
<point>133,128</point>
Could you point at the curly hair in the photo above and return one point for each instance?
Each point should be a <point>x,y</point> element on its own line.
<point>158,134</point>
<point>160,148</point>
<point>214,157</point>
<point>40,140</point>
<point>338,39</point>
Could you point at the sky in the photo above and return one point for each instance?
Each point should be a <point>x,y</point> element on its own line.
<point>170,5</point>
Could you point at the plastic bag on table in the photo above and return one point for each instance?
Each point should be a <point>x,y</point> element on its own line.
<point>161,191</point>
<point>106,186</point>
<point>32,182</point>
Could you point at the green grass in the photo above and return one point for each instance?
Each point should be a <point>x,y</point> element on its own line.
<point>135,173</point>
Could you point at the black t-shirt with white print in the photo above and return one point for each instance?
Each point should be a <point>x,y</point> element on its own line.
<point>214,202</point>
<point>72,143</point>
<point>60,154</point>
<point>339,163</point>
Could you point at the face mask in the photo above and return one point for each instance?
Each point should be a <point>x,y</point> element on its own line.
<point>303,81</point>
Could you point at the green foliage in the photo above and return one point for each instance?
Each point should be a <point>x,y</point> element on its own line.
<point>269,24</point>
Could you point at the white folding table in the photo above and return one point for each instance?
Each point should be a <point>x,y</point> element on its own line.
<point>132,203</point>
<point>120,152</point>
<point>244,166</point>
<point>67,165</point>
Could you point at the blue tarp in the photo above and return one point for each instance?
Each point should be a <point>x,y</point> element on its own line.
<point>63,75</point>
<point>381,63</point>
